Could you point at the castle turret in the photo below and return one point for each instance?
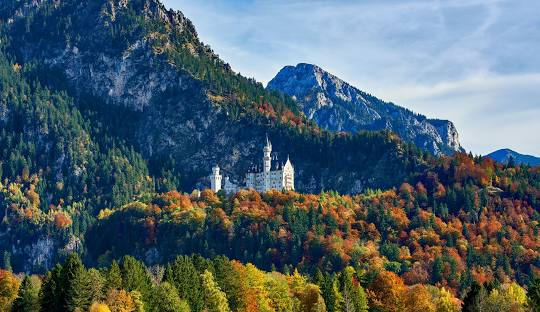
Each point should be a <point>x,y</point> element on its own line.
<point>267,159</point>
<point>288,176</point>
<point>215,179</point>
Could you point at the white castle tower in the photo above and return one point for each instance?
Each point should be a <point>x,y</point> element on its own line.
<point>215,179</point>
<point>288,176</point>
<point>267,159</point>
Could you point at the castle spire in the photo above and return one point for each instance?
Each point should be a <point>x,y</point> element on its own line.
<point>268,143</point>
<point>288,163</point>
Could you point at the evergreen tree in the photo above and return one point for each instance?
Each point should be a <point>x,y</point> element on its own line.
<point>168,300</point>
<point>134,277</point>
<point>333,298</point>
<point>96,281</point>
<point>186,279</point>
<point>534,294</point>
<point>51,295</point>
<point>7,258</point>
<point>137,300</point>
<point>114,277</point>
<point>474,298</point>
<point>229,281</point>
<point>75,287</point>
<point>28,298</point>
<point>438,267</point>
<point>215,299</point>
<point>354,296</point>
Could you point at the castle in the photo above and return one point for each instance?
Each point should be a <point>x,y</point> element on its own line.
<point>260,179</point>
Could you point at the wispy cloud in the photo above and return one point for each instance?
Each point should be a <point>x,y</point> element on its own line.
<point>475,62</point>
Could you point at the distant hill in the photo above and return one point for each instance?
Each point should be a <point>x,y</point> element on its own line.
<point>336,105</point>
<point>504,156</point>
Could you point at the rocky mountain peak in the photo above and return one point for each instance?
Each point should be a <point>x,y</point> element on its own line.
<point>338,106</point>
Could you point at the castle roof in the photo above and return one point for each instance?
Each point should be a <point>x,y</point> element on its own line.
<point>288,163</point>
<point>268,146</point>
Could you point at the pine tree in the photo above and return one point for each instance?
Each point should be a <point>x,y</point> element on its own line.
<point>438,267</point>
<point>51,295</point>
<point>331,293</point>
<point>28,298</point>
<point>168,300</point>
<point>7,260</point>
<point>114,277</point>
<point>76,287</point>
<point>186,279</point>
<point>474,298</point>
<point>354,296</point>
<point>97,282</point>
<point>534,294</point>
<point>215,300</point>
<point>229,280</point>
<point>137,300</point>
<point>134,277</point>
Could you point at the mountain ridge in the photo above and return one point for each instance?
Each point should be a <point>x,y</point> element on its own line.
<point>337,105</point>
<point>504,155</point>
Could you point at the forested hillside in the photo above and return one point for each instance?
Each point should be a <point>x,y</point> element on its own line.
<point>140,72</point>
<point>462,221</point>
<point>105,101</point>
<point>467,225</point>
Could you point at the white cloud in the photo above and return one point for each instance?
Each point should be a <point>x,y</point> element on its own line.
<point>491,111</point>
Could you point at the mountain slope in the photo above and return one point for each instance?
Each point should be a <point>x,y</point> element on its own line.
<point>140,70</point>
<point>504,155</point>
<point>335,105</point>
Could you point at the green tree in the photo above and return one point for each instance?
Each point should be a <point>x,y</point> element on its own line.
<point>506,298</point>
<point>215,300</point>
<point>534,294</point>
<point>186,279</point>
<point>475,297</point>
<point>28,298</point>
<point>279,292</point>
<point>168,300</point>
<point>76,287</point>
<point>229,280</point>
<point>51,295</point>
<point>114,277</point>
<point>438,267</point>
<point>96,281</point>
<point>328,283</point>
<point>137,300</point>
<point>7,260</point>
<point>354,296</point>
<point>134,277</point>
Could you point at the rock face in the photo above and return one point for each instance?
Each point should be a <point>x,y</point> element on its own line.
<point>335,105</point>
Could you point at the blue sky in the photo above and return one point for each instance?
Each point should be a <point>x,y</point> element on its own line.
<point>476,63</point>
